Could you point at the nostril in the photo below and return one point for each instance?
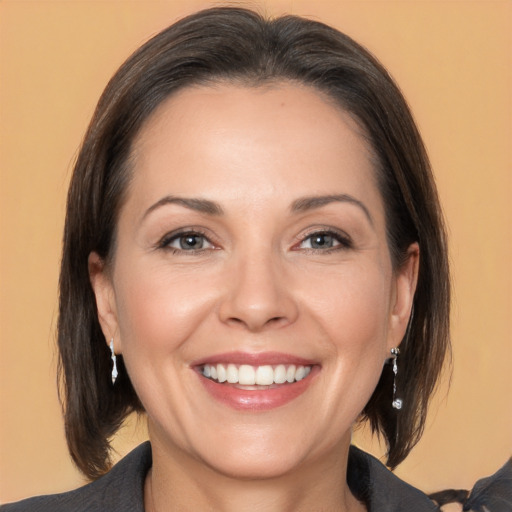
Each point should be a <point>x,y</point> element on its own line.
<point>257,304</point>
<point>235,321</point>
<point>276,321</point>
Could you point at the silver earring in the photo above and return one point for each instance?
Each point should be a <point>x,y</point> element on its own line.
<point>114,362</point>
<point>397,402</point>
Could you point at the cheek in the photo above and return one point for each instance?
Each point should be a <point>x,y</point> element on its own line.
<point>158,310</point>
<point>354,307</point>
<point>347,313</point>
<point>354,317</point>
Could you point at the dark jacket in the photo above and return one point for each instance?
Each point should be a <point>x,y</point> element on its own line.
<point>121,489</point>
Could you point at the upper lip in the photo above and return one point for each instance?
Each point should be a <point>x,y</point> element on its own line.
<point>254,359</point>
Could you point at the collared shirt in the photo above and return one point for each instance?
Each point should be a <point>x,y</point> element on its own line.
<point>122,489</point>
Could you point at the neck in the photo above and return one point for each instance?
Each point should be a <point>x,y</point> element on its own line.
<point>178,482</point>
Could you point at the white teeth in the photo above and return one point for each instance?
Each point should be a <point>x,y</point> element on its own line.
<point>248,375</point>
<point>264,375</point>
<point>221,373</point>
<point>300,373</point>
<point>231,373</point>
<point>290,373</point>
<point>280,374</point>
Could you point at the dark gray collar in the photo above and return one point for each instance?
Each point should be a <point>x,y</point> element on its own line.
<point>122,488</point>
<point>369,480</point>
<point>373,484</point>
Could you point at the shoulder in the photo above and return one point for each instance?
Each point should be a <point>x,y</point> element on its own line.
<point>119,490</point>
<point>380,489</point>
<point>493,493</point>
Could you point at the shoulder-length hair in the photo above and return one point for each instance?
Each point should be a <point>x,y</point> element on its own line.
<point>240,46</point>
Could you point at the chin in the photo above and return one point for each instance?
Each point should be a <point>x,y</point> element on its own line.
<point>253,466</point>
<point>265,453</point>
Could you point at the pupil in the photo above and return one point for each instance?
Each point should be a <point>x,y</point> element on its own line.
<point>191,242</point>
<point>320,241</point>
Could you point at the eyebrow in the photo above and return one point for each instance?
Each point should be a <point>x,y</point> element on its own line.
<point>198,205</point>
<point>300,205</point>
<point>310,203</point>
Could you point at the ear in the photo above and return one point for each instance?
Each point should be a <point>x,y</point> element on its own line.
<point>101,283</point>
<point>406,278</point>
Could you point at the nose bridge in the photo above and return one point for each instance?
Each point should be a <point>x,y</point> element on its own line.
<point>257,296</point>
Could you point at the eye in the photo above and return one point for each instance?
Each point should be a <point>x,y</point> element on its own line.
<point>325,240</point>
<point>189,241</point>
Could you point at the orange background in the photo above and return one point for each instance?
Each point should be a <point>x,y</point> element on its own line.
<point>453,62</point>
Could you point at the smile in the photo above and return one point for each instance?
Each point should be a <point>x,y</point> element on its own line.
<point>256,382</point>
<point>247,375</point>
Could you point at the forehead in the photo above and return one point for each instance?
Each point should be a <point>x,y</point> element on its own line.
<point>251,107</point>
<point>233,139</point>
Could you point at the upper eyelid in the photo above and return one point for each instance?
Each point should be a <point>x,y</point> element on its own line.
<point>170,236</point>
<point>324,230</point>
<point>173,235</point>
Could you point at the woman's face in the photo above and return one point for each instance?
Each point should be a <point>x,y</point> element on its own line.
<point>252,248</point>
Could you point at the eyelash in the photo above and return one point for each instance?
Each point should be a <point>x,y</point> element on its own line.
<point>168,239</point>
<point>343,241</point>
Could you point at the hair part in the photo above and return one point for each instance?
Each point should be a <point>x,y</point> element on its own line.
<point>240,46</point>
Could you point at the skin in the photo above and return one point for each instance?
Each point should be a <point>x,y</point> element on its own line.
<point>257,284</point>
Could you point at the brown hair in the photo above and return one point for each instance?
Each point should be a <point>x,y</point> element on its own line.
<point>232,44</point>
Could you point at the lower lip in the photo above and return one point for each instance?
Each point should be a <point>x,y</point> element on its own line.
<point>257,399</point>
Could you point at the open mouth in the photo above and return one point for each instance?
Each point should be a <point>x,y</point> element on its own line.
<point>257,377</point>
<point>256,382</point>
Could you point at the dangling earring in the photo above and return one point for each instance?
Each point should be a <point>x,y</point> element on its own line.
<point>113,357</point>
<point>397,402</point>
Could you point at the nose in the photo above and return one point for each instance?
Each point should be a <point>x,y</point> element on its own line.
<point>259,295</point>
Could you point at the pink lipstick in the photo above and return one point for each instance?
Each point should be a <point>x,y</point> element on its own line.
<point>255,381</point>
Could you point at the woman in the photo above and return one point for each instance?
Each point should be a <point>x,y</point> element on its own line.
<point>254,256</point>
